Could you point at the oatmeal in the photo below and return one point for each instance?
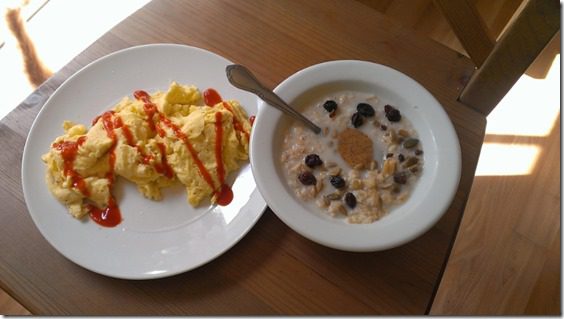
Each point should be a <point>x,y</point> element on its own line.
<point>366,160</point>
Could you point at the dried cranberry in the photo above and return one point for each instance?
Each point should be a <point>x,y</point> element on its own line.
<point>418,152</point>
<point>350,200</point>
<point>383,127</point>
<point>337,181</point>
<point>392,114</point>
<point>313,160</point>
<point>307,178</point>
<point>365,109</point>
<point>330,106</point>
<point>357,120</point>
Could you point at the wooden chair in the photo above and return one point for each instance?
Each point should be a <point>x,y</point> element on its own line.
<point>499,63</point>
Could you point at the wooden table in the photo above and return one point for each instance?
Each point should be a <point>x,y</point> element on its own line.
<point>272,270</point>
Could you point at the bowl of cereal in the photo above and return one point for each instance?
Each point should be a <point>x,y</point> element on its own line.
<point>383,170</point>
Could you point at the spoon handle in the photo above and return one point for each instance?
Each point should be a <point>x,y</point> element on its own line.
<point>243,79</point>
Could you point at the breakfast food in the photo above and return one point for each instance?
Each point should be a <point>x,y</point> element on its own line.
<point>366,160</point>
<point>154,141</point>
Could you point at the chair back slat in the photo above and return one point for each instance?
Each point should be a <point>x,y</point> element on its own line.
<point>468,27</point>
<point>517,48</point>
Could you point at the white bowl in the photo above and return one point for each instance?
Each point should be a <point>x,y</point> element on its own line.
<point>433,192</point>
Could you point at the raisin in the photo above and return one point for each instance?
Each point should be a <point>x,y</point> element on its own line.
<point>330,106</point>
<point>337,181</point>
<point>365,109</point>
<point>401,158</point>
<point>400,178</point>
<point>390,155</point>
<point>392,114</point>
<point>313,160</point>
<point>418,152</point>
<point>307,178</point>
<point>357,120</point>
<point>383,127</point>
<point>350,200</point>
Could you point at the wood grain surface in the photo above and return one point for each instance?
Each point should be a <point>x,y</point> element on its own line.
<point>272,270</point>
<point>506,259</point>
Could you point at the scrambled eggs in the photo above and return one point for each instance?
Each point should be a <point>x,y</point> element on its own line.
<point>153,141</point>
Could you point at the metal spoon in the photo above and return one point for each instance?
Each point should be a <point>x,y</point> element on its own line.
<point>243,79</point>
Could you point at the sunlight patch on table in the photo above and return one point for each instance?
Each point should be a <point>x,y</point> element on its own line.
<point>59,31</point>
<point>498,159</point>
<point>531,108</point>
<point>63,29</point>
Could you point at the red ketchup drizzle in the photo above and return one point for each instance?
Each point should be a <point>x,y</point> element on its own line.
<point>149,107</point>
<point>118,123</point>
<point>181,136</point>
<point>219,146</point>
<point>224,194</point>
<point>211,98</point>
<point>95,120</point>
<point>110,216</point>
<point>236,124</point>
<point>68,152</point>
<point>163,167</point>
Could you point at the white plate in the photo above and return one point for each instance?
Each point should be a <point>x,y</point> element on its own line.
<point>155,239</point>
<point>432,193</point>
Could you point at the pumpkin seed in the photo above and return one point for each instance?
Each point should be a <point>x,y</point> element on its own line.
<point>410,143</point>
<point>411,161</point>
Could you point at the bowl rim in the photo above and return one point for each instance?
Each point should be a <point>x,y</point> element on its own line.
<point>399,226</point>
